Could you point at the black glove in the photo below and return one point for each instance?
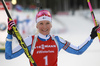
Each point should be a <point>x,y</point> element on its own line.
<point>10,24</point>
<point>94,32</point>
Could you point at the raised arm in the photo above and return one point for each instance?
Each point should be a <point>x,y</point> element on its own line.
<point>12,53</point>
<point>67,46</point>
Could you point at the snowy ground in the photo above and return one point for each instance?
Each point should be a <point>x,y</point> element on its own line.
<point>77,29</point>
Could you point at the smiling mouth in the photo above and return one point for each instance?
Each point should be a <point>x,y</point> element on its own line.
<point>45,30</point>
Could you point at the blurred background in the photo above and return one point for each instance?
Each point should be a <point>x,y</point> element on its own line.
<point>71,20</point>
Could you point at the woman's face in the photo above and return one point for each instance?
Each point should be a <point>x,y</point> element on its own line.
<point>44,27</point>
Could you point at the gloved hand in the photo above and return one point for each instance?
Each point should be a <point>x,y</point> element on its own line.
<point>10,24</point>
<point>94,32</point>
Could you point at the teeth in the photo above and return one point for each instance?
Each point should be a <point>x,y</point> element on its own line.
<point>44,30</point>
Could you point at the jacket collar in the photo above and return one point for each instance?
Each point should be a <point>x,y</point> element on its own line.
<point>43,37</point>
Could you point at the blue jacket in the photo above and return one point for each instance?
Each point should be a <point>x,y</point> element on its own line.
<point>62,44</point>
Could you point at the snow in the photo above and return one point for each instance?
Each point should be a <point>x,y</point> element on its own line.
<point>77,30</point>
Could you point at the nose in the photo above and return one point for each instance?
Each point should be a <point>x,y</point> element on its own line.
<point>44,26</point>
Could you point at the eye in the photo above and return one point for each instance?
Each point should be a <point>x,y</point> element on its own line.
<point>48,23</point>
<point>41,23</point>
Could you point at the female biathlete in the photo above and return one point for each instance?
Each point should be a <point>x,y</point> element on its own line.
<point>44,47</point>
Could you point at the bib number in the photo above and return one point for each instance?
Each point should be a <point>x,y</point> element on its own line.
<point>46,60</point>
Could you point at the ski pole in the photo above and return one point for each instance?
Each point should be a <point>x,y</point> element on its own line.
<point>92,13</point>
<point>18,36</point>
<point>94,19</point>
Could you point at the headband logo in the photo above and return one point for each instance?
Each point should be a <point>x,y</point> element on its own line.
<point>44,17</point>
